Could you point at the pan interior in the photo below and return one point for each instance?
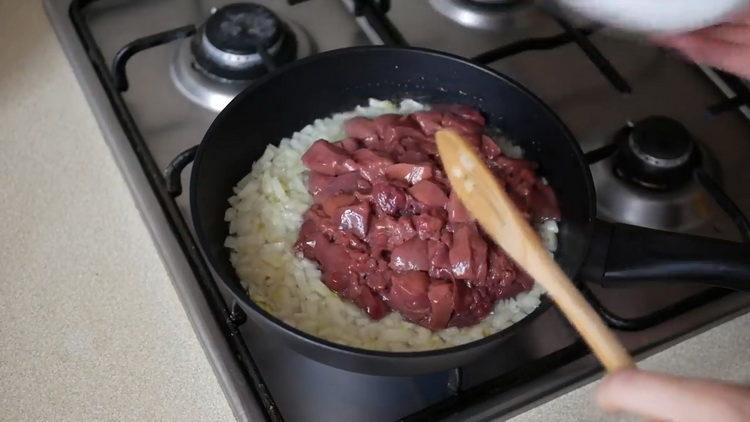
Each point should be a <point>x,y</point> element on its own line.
<point>337,81</point>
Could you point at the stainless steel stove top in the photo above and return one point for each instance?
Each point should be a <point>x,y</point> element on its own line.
<point>171,107</point>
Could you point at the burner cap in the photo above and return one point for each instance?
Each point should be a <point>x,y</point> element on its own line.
<point>656,153</point>
<point>214,93</point>
<point>240,27</point>
<point>491,15</point>
<point>227,46</point>
<point>495,2</point>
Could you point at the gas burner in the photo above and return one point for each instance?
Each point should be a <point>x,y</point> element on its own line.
<point>482,14</point>
<point>649,180</point>
<point>237,44</point>
<point>656,153</point>
<point>232,42</point>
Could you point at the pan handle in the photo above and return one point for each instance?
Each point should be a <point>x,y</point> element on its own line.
<point>623,254</point>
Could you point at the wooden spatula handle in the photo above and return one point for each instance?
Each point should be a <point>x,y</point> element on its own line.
<point>526,249</point>
<point>488,202</point>
<point>602,341</point>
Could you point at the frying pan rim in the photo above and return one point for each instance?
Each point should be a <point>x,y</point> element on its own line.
<point>243,297</point>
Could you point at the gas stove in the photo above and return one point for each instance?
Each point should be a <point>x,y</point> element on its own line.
<point>157,72</point>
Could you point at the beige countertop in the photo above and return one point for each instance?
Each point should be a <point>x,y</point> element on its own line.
<point>90,326</point>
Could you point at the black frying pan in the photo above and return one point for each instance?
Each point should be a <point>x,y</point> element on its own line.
<point>294,96</point>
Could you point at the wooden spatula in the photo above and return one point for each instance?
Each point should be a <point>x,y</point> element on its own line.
<point>488,202</point>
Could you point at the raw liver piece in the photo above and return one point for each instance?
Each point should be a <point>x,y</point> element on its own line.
<point>389,233</point>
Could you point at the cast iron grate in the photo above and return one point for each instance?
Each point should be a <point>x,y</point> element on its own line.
<point>166,187</point>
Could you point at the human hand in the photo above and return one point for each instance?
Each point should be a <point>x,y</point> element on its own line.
<point>725,46</point>
<point>671,398</point>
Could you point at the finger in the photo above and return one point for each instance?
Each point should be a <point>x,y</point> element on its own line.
<point>665,397</point>
<point>728,56</point>
<point>734,33</point>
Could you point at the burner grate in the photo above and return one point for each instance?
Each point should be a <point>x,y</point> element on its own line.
<point>375,13</point>
<point>178,225</point>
